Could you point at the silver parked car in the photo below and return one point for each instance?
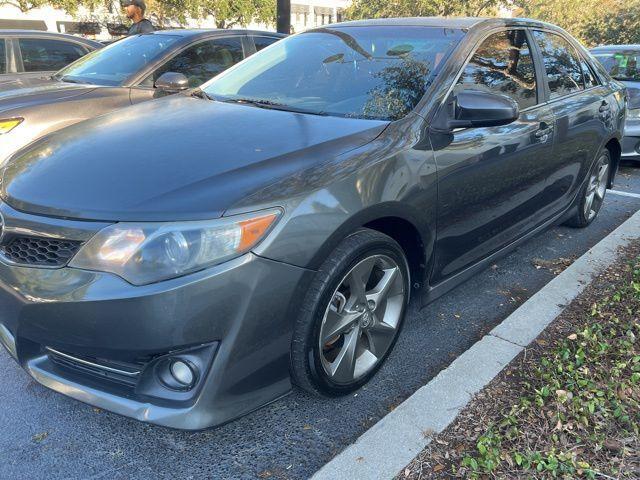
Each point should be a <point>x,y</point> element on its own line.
<point>622,63</point>
<point>27,53</point>
<point>129,71</point>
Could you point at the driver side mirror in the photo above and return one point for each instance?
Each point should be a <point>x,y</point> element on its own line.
<point>475,108</point>
<point>172,82</point>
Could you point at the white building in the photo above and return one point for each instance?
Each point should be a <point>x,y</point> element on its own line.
<point>84,22</point>
<point>304,14</point>
<point>314,13</point>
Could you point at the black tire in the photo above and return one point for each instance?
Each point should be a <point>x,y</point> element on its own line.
<point>581,217</point>
<point>306,365</point>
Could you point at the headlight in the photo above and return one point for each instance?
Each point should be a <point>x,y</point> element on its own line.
<point>635,113</point>
<point>7,125</point>
<point>144,253</point>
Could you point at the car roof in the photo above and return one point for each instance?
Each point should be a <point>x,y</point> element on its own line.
<point>447,22</point>
<point>207,32</point>
<point>616,48</point>
<point>39,33</point>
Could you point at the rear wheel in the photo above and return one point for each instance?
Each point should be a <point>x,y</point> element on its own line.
<point>592,195</point>
<point>351,316</point>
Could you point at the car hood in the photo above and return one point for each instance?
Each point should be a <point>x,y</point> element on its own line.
<point>179,158</point>
<point>22,93</point>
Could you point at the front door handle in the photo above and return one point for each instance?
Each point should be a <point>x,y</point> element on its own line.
<point>543,132</point>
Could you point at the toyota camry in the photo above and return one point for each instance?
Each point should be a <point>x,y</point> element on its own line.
<point>186,261</point>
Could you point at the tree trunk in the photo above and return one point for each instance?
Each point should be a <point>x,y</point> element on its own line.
<point>284,16</point>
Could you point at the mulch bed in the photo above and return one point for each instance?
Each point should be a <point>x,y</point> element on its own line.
<point>566,407</point>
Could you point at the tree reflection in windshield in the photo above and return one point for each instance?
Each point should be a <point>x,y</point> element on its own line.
<point>401,88</point>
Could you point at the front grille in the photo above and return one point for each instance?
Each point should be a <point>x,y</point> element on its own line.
<point>49,252</point>
<point>119,372</point>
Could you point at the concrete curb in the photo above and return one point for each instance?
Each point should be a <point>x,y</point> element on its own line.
<point>383,450</point>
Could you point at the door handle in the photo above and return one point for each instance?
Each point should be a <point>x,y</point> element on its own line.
<point>543,131</point>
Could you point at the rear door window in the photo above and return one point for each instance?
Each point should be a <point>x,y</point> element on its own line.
<point>562,64</point>
<point>41,55</point>
<point>3,56</point>
<point>202,61</point>
<point>502,64</point>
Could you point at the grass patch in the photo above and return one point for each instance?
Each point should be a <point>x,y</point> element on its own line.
<point>569,407</point>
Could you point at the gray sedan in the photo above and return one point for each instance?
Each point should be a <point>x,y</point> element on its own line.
<point>187,260</point>
<point>130,71</point>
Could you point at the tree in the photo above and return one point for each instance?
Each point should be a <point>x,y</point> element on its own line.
<point>420,8</point>
<point>618,24</point>
<point>591,21</point>
<point>226,13</point>
<point>70,6</point>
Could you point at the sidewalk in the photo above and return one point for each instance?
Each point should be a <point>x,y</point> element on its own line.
<point>393,442</point>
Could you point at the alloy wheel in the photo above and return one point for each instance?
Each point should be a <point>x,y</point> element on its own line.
<point>597,188</point>
<point>362,319</point>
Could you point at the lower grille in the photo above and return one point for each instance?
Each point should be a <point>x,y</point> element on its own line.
<point>120,372</point>
<point>36,251</point>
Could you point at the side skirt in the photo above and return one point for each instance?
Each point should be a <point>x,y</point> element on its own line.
<point>434,292</point>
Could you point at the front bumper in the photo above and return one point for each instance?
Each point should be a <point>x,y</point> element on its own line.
<point>233,320</point>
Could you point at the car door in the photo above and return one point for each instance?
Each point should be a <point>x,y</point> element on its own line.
<point>41,56</point>
<point>199,62</point>
<point>583,115</point>
<point>491,181</point>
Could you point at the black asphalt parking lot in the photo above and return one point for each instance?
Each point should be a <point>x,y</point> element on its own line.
<point>46,435</point>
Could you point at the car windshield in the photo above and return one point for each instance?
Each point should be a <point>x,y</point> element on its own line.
<point>621,65</point>
<point>115,63</point>
<point>376,72</point>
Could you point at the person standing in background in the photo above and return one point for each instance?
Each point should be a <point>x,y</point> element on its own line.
<point>134,10</point>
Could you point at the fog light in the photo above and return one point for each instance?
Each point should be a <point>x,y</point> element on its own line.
<point>182,373</point>
<point>177,373</point>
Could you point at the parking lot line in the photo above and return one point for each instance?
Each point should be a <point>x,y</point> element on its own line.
<point>625,194</point>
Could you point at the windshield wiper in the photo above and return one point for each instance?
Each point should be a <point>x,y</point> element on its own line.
<point>268,104</point>
<point>200,94</point>
<point>71,80</point>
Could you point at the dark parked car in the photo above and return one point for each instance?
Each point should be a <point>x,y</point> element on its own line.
<point>185,261</point>
<point>622,63</point>
<point>28,54</point>
<point>129,71</point>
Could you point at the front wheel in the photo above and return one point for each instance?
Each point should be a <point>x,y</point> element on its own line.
<point>592,194</point>
<point>351,316</point>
